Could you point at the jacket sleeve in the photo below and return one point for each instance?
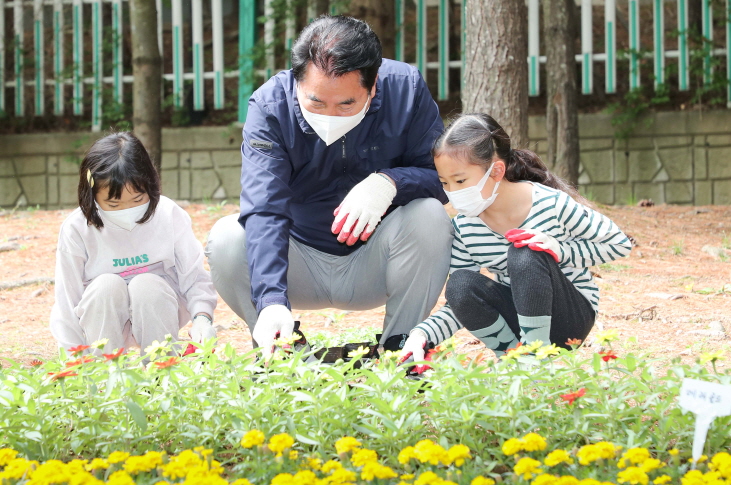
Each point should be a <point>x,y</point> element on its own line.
<point>592,238</point>
<point>265,210</point>
<point>194,282</point>
<point>68,288</point>
<point>418,178</point>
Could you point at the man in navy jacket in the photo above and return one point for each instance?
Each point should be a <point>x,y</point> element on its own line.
<point>340,203</point>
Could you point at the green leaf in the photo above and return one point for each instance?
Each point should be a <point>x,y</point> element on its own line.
<point>138,415</point>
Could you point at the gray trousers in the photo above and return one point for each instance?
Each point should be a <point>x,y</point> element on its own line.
<point>138,313</point>
<point>403,265</point>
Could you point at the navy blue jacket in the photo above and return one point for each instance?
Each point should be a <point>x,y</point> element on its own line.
<point>291,182</point>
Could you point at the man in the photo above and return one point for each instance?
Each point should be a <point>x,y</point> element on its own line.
<point>330,148</point>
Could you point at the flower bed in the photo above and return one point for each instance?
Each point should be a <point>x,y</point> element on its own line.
<point>86,408</point>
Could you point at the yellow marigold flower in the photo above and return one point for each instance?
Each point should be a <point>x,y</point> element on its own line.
<point>693,477</point>
<point>458,454</point>
<point>662,479</point>
<point>428,478</point>
<point>590,481</point>
<point>241,481</point>
<point>7,455</point>
<point>374,470</point>
<point>590,453</point>
<point>342,476</point>
<point>512,446</point>
<point>674,452</point>
<point>558,456</point>
<point>163,482</point>
<point>480,480</point>
<point>346,444</point>
<point>406,454</point>
<point>120,477</point>
<point>362,456</point>
<point>721,462</point>
<point>567,480</point>
<point>633,475</point>
<point>142,464</point>
<point>331,465</point>
<point>545,479</point>
<point>117,457</point>
<point>314,463</point>
<point>97,464</point>
<point>407,476</point>
<point>280,442</point>
<point>527,467</point>
<point>19,468</point>
<point>533,442</point>
<point>701,459</point>
<point>252,438</point>
<point>636,455</point>
<point>305,477</point>
<point>203,451</point>
<point>179,465</point>
<point>293,454</point>
<point>651,464</point>
<point>714,478</point>
<point>426,451</point>
<point>283,479</point>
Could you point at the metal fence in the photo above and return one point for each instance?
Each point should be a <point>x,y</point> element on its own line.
<point>67,75</point>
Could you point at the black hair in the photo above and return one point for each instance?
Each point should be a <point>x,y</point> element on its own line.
<point>479,139</point>
<point>116,161</point>
<point>338,45</point>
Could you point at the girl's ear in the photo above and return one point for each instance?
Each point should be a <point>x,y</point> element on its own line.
<point>498,170</point>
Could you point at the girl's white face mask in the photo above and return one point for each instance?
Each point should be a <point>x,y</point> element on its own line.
<point>126,218</point>
<point>332,128</point>
<point>469,201</point>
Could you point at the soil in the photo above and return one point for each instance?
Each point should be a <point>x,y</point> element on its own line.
<point>669,298</point>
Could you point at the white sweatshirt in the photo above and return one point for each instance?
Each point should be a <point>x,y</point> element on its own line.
<point>165,245</point>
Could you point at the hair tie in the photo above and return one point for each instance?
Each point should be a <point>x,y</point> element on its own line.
<point>90,179</point>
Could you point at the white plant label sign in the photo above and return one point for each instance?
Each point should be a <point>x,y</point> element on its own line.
<point>707,401</point>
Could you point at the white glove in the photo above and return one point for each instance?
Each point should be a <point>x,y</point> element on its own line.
<point>273,320</point>
<point>535,240</point>
<point>363,208</point>
<point>202,328</point>
<point>414,346</point>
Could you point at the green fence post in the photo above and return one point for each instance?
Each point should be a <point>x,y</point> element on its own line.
<point>707,18</point>
<point>58,81</point>
<point>399,4</point>
<point>78,56</point>
<point>683,55</point>
<point>634,44</point>
<point>38,53</point>
<point>443,50</point>
<point>19,82</point>
<point>247,39</point>
<point>610,38</point>
<point>97,60</point>
<point>421,37</point>
<point>2,57</point>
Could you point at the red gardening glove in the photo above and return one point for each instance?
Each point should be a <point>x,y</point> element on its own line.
<point>535,240</point>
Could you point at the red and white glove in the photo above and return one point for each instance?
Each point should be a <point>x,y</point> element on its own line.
<point>414,346</point>
<point>275,321</point>
<point>361,210</point>
<point>535,240</point>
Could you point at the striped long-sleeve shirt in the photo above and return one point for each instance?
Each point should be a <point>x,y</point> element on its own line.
<point>586,237</point>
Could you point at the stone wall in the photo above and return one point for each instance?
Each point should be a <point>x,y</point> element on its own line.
<point>675,157</point>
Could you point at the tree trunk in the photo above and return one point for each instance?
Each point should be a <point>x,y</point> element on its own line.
<point>562,122</point>
<point>146,70</point>
<point>496,67</point>
<point>380,15</point>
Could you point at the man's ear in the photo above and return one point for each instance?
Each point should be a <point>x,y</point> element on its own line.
<point>498,170</point>
<point>373,89</point>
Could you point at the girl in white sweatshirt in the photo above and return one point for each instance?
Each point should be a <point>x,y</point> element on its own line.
<point>128,266</point>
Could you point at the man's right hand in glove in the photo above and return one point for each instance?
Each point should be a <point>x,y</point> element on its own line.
<point>275,321</point>
<point>414,346</point>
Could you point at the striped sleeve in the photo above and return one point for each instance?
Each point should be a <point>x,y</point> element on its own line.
<point>461,258</point>
<point>440,326</point>
<point>592,237</point>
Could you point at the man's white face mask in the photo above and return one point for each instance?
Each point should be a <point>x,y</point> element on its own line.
<point>469,202</point>
<point>126,218</point>
<point>332,128</point>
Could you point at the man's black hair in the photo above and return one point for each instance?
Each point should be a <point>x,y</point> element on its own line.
<point>116,161</point>
<point>338,45</point>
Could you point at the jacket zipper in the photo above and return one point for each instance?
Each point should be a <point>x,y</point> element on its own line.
<point>344,158</point>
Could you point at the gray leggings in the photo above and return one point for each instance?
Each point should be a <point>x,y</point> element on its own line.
<point>537,288</point>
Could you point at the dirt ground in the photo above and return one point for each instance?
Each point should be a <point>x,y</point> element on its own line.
<point>669,298</point>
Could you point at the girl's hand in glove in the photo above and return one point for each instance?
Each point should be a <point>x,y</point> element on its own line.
<point>275,321</point>
<point>361,210</point>
<point>202,328</point>
<point>535,240</point>
<point>414,346</point>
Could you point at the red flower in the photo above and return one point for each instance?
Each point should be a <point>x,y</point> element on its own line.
<point>115,355</point>
<point>190,349</point>
<point>36,362</point>
<point>168,363</point>
<point>573,396</point>
<point>78,349</point>
<point>608,355</point>
<point>60,375</point>
<point>573,341</point>
<point>82,360</point>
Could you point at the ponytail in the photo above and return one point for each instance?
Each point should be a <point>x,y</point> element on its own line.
<point>478,138</point>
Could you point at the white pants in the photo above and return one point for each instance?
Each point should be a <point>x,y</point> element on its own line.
<point>127,315</point>
<point>403,265</point>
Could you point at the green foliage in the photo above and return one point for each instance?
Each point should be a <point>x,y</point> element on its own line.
<point>211,400</point>
<point>628,114</point>
<point>614,267</point>
<point>678,247</point>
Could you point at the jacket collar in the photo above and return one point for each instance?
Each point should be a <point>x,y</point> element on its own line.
<point>305,126</point>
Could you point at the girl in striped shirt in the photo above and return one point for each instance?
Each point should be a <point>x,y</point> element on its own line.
<point>529,229</point>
